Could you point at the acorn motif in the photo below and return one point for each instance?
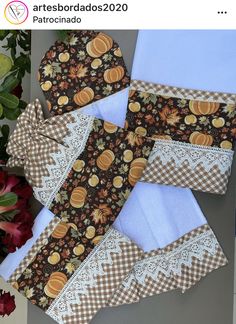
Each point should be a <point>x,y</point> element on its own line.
<point>97,239</point>
<point>190,119</point>
<point>64,57</point>
<point>118,52</point>
<point>96,63</point>
<point>46,85</point>
<point>105,160</point>
<point>114,74</point>
<point>109,127</point>
<point>55,284</point>
<point>201,139</point>
<point>203,107</point>
<point>60,230</point>
<point>90,232</point>
<point>134,106</point>
<point>84,96</point>
<point>131,93</point>
<point>93,180</point>
<point>218,122</point>
<point>78,196</point>
<point>15,285</point>
<point>118,182</point>
<point>136,168</point>
<point>101,44</point>
<point>78,165</point>
<point>227,145</point>
<point>79,249</point>
<point>54,258</point>
<point>49,105</point>
<point>141,131</point>
<point>128,156</point>
<point>62,100</point>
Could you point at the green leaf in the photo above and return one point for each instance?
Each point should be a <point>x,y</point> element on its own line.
<point>9,199</point>
<point>5,130</point>
<point>3,34</point>
<point>9,100</point>
<point>1,110</point>
<point>22,104</point>
<point>9,83</point>
<point>8,216</point>
<point>62,34</point>
<point>11,41</point>
<point>5,65</point>
<point>11,114</point>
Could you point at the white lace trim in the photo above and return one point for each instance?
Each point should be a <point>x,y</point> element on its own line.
<point>195,155</point>
<point>75,142</point>
<point>86,276</point>
<point>182,93</point>
<point>171,262</point>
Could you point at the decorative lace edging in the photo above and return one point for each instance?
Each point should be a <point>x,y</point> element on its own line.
<point>170,263</point>
<point>195,155</point>
<point>76,140</point>
<point>164,90</point>
<point>86,276</point>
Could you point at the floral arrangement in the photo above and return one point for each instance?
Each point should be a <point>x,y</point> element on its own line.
<point>15,224</point>
<point>13,67</point>
<point>7,303</point>
<point>15,219</point>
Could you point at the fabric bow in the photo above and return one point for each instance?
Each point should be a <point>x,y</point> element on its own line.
<point>34,139</point>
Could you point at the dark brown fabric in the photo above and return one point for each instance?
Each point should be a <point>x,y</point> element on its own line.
<point>198,122</point>
<point>88,202</point>
<point>85,68</point>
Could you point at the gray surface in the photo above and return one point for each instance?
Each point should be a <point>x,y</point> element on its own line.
<point>210,302</point>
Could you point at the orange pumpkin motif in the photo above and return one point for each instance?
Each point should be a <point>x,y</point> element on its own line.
<point>201,139</point>
<point>78,196</point>
<point>105,160</point>
<point>60,230</point>
<point>55,284</point>
<point>114,74</point>
<point>136,168</point>
<point>84,96</point>
<point>203,107</point>
<point>99,45</point>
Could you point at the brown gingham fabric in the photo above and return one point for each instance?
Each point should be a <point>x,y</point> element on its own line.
<point>34,140</point>
<point>97,296</point>
<point>182,92</point>
<point>212,181</point>
<point>43,238</point>
<point>189,275</point>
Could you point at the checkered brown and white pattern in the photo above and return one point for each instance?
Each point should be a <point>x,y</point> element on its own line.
<point>40,242</point>
<point>106,284</point>
<point>34,140</point>
<point>199,269</point>
<point>188,277</point>
<point>182,92</point>
<point>184,176</point>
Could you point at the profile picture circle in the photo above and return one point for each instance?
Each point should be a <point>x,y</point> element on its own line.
<point>16,12</point>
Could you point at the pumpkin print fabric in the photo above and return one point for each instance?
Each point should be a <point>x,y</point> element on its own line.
<point>88,201</point>
<point>85,68</point>
<point>194,133</point>
<point>191,121</point>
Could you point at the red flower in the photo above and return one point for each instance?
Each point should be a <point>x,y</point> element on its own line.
<point>18,232</point>
<point>7,182</point>
<point>7,303</point>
